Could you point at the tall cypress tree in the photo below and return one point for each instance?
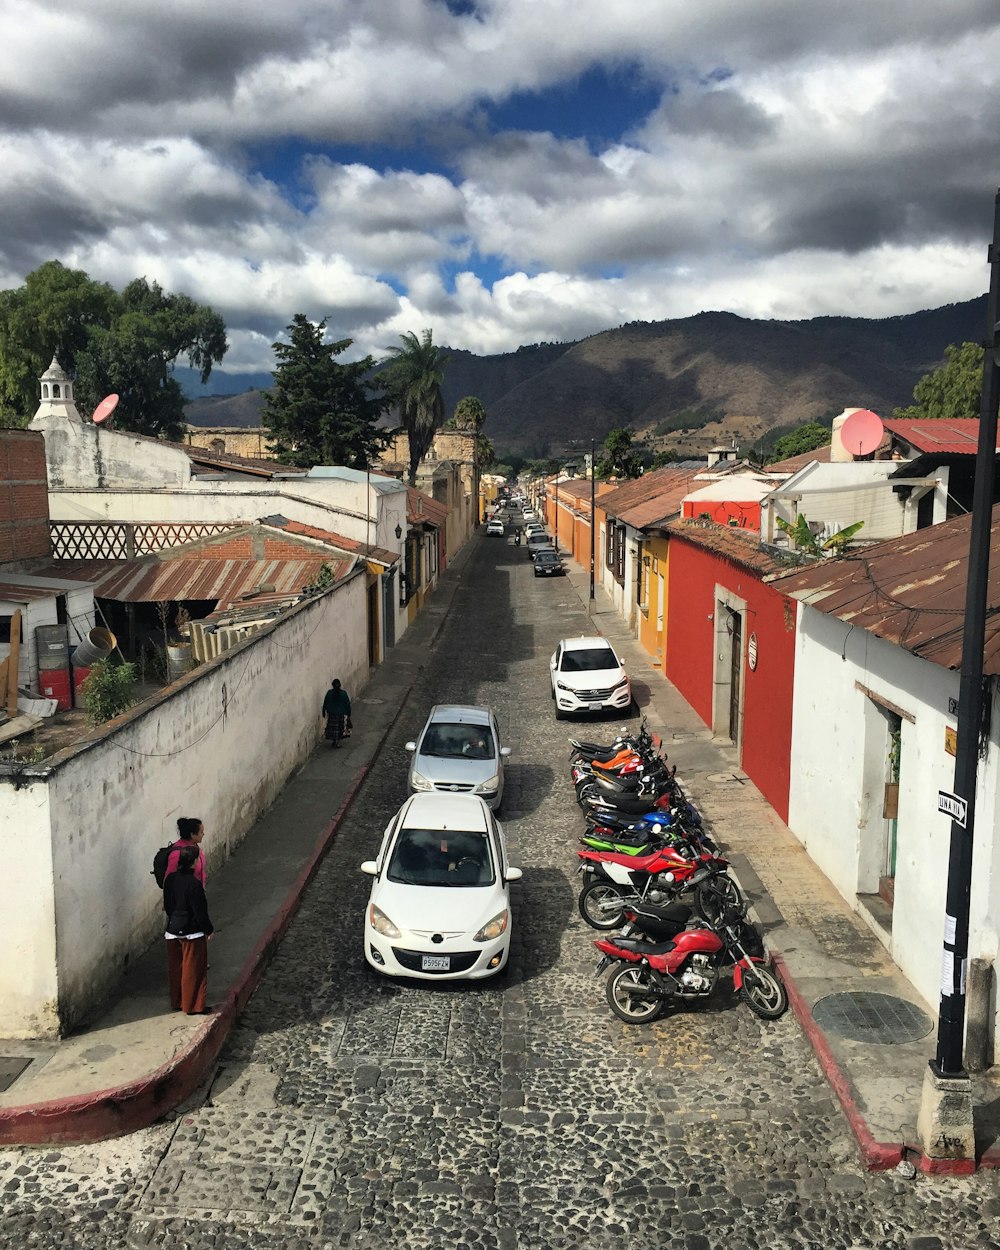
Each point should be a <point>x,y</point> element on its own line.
<point>321,411</point>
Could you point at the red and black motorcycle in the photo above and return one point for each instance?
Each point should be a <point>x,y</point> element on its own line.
<point>661,961</point>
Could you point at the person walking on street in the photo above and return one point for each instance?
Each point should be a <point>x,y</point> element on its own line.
<point>337,710</point>
<point>187,931</point>
<point>190,832</point>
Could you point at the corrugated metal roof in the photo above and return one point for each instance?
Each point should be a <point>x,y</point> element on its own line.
<point>16,592</point>
<point>153,579</point>
<point>741,546</point>
<point>941,435</point>
<point>910,591</point>
<point>652,497</point>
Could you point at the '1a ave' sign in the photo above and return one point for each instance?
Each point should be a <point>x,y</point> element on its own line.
<point>952,806</point>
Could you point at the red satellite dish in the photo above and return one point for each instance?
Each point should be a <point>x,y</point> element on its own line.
<point>105,408</point>
<point>862,432</point>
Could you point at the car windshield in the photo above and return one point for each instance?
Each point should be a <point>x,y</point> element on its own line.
<point>588,659</point>
<point>452,742</point>
<point>547,557</point>
<point>441,857</point>
<point>538,539</point>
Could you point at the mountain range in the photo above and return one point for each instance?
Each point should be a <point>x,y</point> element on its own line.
<point>688,384</point>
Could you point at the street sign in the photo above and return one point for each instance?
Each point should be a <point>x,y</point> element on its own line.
<point>952,806</point>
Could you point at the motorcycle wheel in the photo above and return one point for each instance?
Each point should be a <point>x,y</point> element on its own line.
<point>602,905</point>
<point>714,897</point>
<point>763,993</point>
<point>587,790</point>
<point>623,990</point>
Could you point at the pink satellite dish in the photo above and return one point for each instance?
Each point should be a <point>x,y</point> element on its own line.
<point>862,432</point>
<point>105,408</point>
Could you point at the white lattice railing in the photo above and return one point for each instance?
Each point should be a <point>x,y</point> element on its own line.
<point>122,540</point>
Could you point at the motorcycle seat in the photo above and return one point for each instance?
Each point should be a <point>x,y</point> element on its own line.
<point>643,946</point>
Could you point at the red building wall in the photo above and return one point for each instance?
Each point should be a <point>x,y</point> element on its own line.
<point>744,513</point>
<point>694,573</point>
<point>24,496</point>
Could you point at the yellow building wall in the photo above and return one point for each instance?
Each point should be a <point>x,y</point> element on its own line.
<point>653,620</point>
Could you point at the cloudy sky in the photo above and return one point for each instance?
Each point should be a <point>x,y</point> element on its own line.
<point>503,171</point>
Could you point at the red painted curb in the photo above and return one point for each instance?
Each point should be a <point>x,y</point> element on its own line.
<point>876,1156</point>
<point>126,1108</point>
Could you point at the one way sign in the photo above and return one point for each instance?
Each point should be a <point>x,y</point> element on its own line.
<point>952,806</point>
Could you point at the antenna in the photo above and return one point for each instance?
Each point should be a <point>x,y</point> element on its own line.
<point>104,409</point>
<point>862,432</point>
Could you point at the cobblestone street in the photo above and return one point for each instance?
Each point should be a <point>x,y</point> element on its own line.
<point>348,1112</point>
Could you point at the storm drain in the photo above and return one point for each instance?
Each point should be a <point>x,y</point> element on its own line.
<point>11,1067</point>
<point>877,1018</point>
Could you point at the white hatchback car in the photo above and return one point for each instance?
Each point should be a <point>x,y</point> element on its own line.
<point>587,675</point>
<point>439,907</point>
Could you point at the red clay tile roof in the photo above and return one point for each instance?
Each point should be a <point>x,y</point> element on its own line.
<point>737,545</point>
<point>381,555</point>
<point>653,497</point>
<point>421,509</point>
<point>792,464</point>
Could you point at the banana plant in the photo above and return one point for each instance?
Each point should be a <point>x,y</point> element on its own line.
<point>805,540</point>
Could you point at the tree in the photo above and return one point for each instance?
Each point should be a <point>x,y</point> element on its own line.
<point>47,316</point>
<point>413,379</point>
<point>804,438</point>
<point>954,390</point>
<point>321,411</point>
<point>470,414</point>
<point>127,343</point>
<point>618,458</point>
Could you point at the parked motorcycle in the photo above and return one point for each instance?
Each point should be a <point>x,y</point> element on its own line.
<point>616,881</point>
<point>660,960</point>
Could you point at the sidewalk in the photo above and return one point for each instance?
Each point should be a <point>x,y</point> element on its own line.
<point>137,1061</point>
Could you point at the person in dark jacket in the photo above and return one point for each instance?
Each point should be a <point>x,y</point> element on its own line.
<point>337,710</point>
<point>187,930</point>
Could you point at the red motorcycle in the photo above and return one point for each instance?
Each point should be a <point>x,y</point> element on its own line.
<point>660,960</point>
<point>619,880</point>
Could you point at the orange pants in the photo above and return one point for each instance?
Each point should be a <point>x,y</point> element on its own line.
<point>187,973</point>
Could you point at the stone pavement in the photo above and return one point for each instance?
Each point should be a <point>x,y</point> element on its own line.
<point>135,1061</point>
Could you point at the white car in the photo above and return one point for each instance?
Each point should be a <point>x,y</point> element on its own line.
<point>587,675</point>
<point>533,527</point>
<point>494,526</point>
<point>439,907</point>
<point>459,752</point>
<point>529,514</point>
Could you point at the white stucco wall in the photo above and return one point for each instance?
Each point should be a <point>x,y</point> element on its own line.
<point>218,745</point>
<point>28,983</point>
<point>837,780</point>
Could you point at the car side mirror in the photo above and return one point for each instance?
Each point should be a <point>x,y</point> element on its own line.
<point>512,874</point>
<point>411,746</point>
<point>505,752</point>
<point>370,868</point>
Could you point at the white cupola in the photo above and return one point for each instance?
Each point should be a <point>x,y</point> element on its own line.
<point>57,395</point>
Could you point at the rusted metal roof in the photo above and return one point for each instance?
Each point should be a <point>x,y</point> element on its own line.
<point>910,591</point>
<point>652,497</point>
<point>942,436</point>
<point>16,592</point>
<point>792,464</point>
<point>740,546</point>
<point>155,578</point>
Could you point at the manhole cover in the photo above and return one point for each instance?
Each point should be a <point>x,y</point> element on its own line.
<point>11,1067</point>
<point>878,1018</point>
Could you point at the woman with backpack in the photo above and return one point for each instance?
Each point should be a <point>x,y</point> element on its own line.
<point>187,930</point>
<point>190,832</point>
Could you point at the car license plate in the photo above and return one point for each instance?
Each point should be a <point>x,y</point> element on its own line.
<point>435,963</point>
<point>595,707</point>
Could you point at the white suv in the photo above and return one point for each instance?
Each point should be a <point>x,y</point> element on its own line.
<point>587,675</point>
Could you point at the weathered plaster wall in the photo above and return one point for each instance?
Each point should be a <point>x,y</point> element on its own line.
<point>87,457</point>
<point>28,983</point>
<point>219,745</point>
<point>837,780</point>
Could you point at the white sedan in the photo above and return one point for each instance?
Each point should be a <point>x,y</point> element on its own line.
<point>439,907</point>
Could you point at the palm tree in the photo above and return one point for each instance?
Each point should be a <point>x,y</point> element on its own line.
<point>413,380</point>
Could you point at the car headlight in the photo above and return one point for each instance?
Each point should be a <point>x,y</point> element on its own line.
<point>381,923</point>
<point>492,784</point>
<point>623,682</point>
<point>493,929</point>
<point>419,782</point>
<point>560,686</point>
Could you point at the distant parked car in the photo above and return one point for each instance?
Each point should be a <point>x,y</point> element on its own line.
<point>587,675</point>
<point>529,514</point>
<point>548,564</point>
<point>533,527</point>
<point>536,541</point>
<point>495,526</point>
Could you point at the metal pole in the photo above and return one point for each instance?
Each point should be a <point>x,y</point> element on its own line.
<point>951,1017</point>
<point>592,517</point>
<point>556,494</point>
